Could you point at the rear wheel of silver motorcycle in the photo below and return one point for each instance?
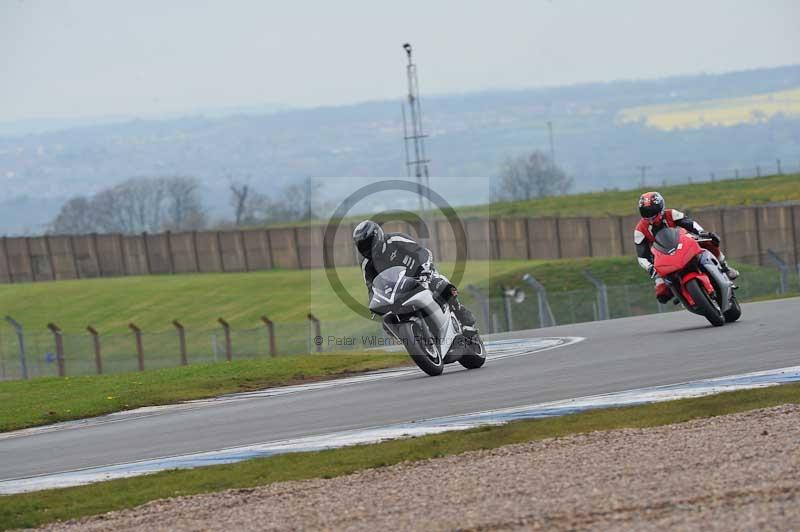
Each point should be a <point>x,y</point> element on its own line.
<point>478,356</point>
<point>705,304</point>
<point>421,348</point>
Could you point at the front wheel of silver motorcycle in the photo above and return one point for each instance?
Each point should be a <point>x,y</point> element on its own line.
<point>422,348</point>
<point>477,355</point>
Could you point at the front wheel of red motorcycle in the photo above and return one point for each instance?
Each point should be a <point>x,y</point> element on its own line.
<point>704,304</point>
<point>734,312</point>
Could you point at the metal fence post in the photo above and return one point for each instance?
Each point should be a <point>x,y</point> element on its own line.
<point>483,301</point>
<point>137,334</point>
<point>507,295</point>
<point>98,356</point>
<point>228,345</point>
<point>181,342</point>
<point>602,295</point>
<point>273,348</point>
<point>546,318</point>
<point>511,294</point>
<point>317,333</point>
<point>23,365</point>
<point>59,340</point>
<point>782,266</point>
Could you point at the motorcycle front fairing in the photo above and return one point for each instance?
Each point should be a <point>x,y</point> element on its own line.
<point>391,288</point>
<point>399,298</point>
<point>679,258</point>
<point>673,251</point>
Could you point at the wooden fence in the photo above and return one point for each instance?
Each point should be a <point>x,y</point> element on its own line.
<point>747,234</point>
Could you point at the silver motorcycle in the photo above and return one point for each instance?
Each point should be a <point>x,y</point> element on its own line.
<point>423,323</point>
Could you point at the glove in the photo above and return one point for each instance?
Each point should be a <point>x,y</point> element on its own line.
<point>651,271</point>
<point>426,270</point>
<point>711,235</point>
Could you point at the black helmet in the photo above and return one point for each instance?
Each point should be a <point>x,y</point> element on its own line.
<point>366,235</point>
<point>651,204</point>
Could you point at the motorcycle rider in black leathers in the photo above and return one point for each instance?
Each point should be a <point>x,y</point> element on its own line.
<point>381,251</point>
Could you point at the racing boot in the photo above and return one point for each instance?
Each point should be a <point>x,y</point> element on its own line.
<point>463,314</point>
<point>732,273</point>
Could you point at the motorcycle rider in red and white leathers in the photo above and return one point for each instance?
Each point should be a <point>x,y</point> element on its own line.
<point>381,251</point>
<point>654,218</point>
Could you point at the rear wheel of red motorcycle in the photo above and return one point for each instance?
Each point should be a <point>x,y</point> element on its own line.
<point>704,304</point>
<point>734,312</point>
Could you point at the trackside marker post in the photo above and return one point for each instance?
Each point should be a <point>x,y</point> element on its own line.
<point>546,318</point>
<point>23,366</point>
<point>137,334</point>
<point>782,267</point>
<point>98,357</point>
<point>181,342</point>
<point>602,295</point>
<point>228,346</point>
<point>484,304</point>
<point>59,340</point>
<point>273,349</point>
<point>317,333</point>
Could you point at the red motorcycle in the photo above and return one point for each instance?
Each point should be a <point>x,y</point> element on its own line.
<point>690,268</point>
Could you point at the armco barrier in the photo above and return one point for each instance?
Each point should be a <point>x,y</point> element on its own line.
<point>747,233</point>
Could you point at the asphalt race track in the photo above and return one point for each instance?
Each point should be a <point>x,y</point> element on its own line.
<point>615,355</point>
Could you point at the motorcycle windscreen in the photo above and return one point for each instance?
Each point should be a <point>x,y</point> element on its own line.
<point>390,288</point>
<point>667,240</point>
<point>673,250</point>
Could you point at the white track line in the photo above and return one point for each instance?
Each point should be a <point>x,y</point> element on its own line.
<point>698,388</point>
<point>496,350</point>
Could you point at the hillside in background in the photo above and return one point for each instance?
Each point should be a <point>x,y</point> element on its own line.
<point>728,193</point>
<point>602,133</point>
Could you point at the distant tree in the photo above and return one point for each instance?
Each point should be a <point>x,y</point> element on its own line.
<point>257,208</point>
<point>534,176</point>
<point>135,205</point>
<point>75,218</point>
<point>184,209</point>
<point>298,200</point>
<point>295,202</point>
<point>239,193</point>
<point>108,214</point>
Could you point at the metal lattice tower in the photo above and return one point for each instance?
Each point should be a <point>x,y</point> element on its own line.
<point>413,134</point>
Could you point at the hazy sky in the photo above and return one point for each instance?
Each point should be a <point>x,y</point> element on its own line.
<point>104,57</point>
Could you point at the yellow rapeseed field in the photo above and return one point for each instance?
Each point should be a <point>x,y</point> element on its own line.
<point>723,112</point>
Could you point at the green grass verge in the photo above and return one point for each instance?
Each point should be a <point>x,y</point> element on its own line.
<point>33,509</point>
<point>152,302</point>
<point>726,193</point>
<point>47,400</point>
<point>723,193</point>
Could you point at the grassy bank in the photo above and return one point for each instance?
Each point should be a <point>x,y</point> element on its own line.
<point>197,300</point>
<point>152,302</point>
<point>33,509</point>
<point>727,193</point>
<point>717,194</point>
<point>48,400</point>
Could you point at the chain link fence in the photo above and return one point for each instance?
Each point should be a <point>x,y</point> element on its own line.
<point>503,314</point>
<point>32,354</point>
